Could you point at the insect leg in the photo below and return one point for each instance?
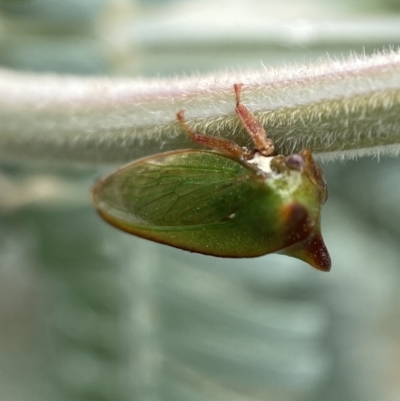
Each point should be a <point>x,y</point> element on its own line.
<point>218,143</point>
<point>256,131</point>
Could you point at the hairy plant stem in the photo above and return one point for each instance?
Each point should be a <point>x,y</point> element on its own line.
<point>336,108</point>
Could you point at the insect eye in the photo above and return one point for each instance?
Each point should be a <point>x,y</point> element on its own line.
<point>295,162</point>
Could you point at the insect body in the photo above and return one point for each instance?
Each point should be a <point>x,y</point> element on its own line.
<point>228,202</point>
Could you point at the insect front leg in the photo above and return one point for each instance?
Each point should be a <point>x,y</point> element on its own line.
<point>218,143</point>
<point>253,127</point>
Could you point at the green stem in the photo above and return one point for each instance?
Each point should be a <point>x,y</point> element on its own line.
<point>338,109</point>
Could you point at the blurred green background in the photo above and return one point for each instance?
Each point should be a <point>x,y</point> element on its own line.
<point>90,313</point>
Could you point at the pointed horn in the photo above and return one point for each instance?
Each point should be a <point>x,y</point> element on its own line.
<point>312,251</point>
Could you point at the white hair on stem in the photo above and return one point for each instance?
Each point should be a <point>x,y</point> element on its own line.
<point>339,109</point>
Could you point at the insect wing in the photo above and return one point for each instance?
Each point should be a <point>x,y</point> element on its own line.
<point>175,189</point>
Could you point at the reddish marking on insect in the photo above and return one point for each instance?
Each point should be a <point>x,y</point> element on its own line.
<point>295,217</point>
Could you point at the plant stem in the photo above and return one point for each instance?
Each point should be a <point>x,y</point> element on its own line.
<point>336,108</point>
